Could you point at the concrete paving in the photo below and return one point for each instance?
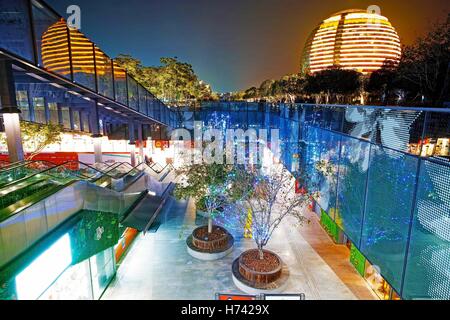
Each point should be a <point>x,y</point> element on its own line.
<point>158,266</point>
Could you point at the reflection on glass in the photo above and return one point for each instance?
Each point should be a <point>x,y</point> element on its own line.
<point>85,121</point>
<point>15,28</point>
<point>53,111</point>
<point>76,120</point>
<point>351,186</point>
<point>65,112</point>
<point>22,103</point>
<point>102,269</point>
<point>73,284</point>
<point>39,110</point>
<point>133,94</point>
<point>74,262</point>
<point>428,261</point>
<point>104,73</point>
<point>51,41</point>
<point>391,183</point>
<point>82,51</point>
<point>120,83</point>
<point>150,105</point>
<point>142,100</point>
<point>436,142</point>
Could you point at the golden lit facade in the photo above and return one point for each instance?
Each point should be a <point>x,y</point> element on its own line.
<point>352,39</point>
<point>55,51</point>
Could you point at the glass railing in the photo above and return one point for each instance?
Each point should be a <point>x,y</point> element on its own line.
<point>423,132</point>
<point>126,170</point>
<point>34,181</point>
<point>33,184</point>
<point>32,167</point>
<point>22,170</point>
<point>27,191</point>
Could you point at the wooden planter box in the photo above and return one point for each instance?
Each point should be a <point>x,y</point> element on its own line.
<point>259,277</point>
<point>210,245</point>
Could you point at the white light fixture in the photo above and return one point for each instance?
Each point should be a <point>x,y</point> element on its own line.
<point>56,85</point>
<point>36,77</point>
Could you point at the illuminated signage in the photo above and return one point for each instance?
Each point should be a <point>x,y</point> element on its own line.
<point>44,270</point>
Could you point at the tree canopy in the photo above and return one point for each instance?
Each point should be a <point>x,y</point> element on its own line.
<point>174,82</point>
<point>36,137</point>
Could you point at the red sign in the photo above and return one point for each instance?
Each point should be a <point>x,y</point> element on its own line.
<point>161,144</point>
<point>221,296</point>
<point>127,237</point>
<point>138,143</point>
<point>53,157</point>
<point>299,187</point>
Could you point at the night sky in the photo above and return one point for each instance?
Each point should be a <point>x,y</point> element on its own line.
<point>232,44</point>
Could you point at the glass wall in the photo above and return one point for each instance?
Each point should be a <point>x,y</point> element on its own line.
<point>427,269</point>
<point>436,139</point>
<point>330,144</point>
<point>85,121</point>
<point>39,110</point>
<point>65,113</point>
<point>23,104</point>
<point>120,84</point>
<point>53,112</point>
<point>104,74</point>
<point>51,40</point>
<point>15,28</point>
<point>133,95</point>
<point>82,53</point>
<point>142,99</point>
<point>391,185</point>
<point>76,120</point>
<point>151,105</point>
<point>352,186</point>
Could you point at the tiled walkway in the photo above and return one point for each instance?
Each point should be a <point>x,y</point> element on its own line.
<point>159,267</point>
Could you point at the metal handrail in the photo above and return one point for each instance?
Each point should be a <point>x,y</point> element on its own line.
<point>222,106</point>
<point>84,177</point>
<point>62,165</point>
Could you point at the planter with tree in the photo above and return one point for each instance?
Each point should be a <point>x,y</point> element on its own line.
<point>208,184</point>
<point>272,200</point>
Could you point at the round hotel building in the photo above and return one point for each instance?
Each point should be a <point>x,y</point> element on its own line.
<point>352,39</point>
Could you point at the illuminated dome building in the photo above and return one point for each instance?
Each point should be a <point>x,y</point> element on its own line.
<point>352,39</point>
<point>56,57</point>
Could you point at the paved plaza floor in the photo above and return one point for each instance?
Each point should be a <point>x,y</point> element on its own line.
<point>158,266</point>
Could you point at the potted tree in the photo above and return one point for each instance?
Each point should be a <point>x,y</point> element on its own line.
<point>272,200</point>
<point>208,184</point>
